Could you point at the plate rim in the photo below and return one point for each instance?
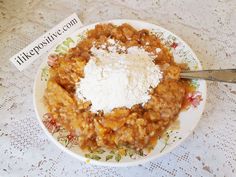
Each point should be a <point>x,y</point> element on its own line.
<point>136,161</point>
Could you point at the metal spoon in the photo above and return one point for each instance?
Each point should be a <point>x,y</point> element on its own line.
<point>223,75</point>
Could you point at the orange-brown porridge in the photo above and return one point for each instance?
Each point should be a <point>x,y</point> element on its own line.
<point>137,128</point>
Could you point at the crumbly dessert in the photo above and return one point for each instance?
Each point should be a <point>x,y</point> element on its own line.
<point>136,126</point>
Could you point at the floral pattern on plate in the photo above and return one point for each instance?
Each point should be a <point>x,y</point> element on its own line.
<point>181,52</point>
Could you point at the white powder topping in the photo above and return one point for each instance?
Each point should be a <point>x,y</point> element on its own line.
<point>158,50</point>
<point>118,80</point>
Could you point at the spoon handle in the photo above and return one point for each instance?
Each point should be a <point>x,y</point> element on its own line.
<point>223,75</point>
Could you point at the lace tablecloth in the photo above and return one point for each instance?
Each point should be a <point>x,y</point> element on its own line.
<point>209,27</point>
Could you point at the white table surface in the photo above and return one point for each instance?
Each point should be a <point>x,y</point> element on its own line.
<point>209,27</point>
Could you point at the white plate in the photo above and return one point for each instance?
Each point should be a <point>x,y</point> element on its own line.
<point>187,119</point>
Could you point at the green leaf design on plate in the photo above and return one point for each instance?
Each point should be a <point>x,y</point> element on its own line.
<point>66,142</point>
<point>95,157</point>
<point>92,156</point>
<point>125,152</point>
<point>140,152</point>
<point>100,151</point>
<point>44,74</point>
<point>63,140</point>
<point>117,157</point>
<point>63,48</point>
<point>67,42</point>
<point>108,157</point>
<point>195,84</point>
<point>196,67</point>
<point>87,155</point>
<point>130,152</point>
<point>81,37</point>
<point>159,34</point>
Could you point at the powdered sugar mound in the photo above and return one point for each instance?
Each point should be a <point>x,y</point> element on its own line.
<point>114,47</point>
<point>118,80</point>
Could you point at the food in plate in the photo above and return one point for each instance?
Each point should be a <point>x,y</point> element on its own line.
<point>118,88</point>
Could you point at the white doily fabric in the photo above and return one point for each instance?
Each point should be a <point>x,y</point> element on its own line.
<point>207,26</point>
